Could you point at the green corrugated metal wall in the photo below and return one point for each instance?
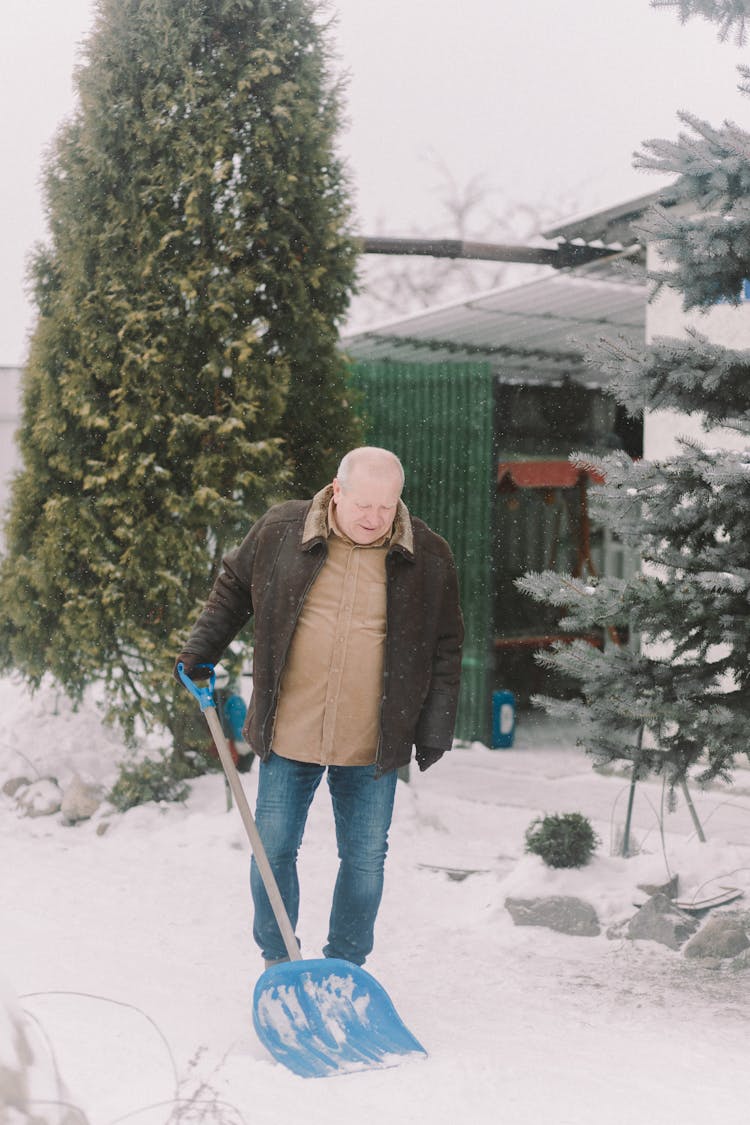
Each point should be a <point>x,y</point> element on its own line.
<point>438,418</point>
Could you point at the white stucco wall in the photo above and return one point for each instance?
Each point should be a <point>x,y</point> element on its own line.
<point>727,325</point>
<point>10,414</point>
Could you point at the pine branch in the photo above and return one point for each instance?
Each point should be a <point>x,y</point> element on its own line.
<point>731,15</point>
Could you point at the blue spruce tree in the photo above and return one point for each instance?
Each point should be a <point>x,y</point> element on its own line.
<point>675,699</point>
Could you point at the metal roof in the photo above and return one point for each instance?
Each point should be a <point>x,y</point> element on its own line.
<point>530,333</point>
<point>613,225</point>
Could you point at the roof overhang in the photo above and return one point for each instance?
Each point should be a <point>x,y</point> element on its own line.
<point>613,226</point>
<point>529,333</point>
<point>512,475</point>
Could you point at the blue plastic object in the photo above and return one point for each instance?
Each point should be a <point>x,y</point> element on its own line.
<point>325,1017</point>
<point>233,709</point>
<point>233,713</point>
<point>503,719</point>
<point>204,695</point>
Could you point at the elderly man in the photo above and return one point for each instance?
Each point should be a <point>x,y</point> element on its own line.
<point>358,635</point>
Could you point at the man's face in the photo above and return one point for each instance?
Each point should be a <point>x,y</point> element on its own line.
<point>365,509</point>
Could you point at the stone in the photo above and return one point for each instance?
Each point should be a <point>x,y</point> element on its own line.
<point>722,936</point>
<point>660,920</point>
<point>669,889</point>
<point>80,801</point>
<point>563,913</point>
<point>40,798</point>
<point>13,784</point>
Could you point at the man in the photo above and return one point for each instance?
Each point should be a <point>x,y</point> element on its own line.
<point>357,656</point>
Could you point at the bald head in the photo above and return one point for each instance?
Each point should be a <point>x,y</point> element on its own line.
<point>370,459</point>
<point>366,491</point>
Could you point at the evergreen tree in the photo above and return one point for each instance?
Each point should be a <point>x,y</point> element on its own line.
<point>730,15</point>
<point>678,694</point>
<point>183,371</point>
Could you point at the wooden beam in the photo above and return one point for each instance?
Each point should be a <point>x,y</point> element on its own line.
<point>559,257</point>
<point>545,641</point>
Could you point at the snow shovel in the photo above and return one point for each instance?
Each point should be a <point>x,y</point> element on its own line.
<point>318,1017</point>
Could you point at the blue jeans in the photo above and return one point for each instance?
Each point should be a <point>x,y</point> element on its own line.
<point>362,809</point>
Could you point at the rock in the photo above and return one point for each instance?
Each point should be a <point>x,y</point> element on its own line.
<point>13,784</point>
<point>563,913</point>
<point>80,801</point>
<point>669,889</point>
<point>721,937</point>
<point>660,920</point>
<point>41,798</point>
<point>741,963</point>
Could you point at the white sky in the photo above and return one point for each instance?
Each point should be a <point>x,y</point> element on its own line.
<point>543,99</point>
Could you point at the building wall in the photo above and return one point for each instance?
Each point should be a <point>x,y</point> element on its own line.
<point>438,418</point>
<point>10,415</point>
<point>727,325</point>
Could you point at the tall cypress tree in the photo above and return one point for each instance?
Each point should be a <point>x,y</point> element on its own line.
<point>183,370</point>
<point>678,694</point>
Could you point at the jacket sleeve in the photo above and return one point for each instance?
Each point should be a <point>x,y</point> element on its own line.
<point>437,719</point>
<point>230,603</point>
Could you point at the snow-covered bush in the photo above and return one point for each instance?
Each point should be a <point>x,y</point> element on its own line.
<point>565,840</point>
<point>160,779</point>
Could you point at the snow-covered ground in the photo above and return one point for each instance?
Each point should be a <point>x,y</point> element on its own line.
<point>132,956</point>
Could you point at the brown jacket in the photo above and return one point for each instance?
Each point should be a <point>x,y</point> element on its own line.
<point>328,709</point>
<point>268,577</point>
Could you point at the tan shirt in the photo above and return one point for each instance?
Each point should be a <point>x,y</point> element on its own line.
<point>329,704</point>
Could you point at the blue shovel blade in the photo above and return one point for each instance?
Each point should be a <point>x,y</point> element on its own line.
<point>325,1017</point>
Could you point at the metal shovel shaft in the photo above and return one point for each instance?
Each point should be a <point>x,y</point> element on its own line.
<point>264,867</point>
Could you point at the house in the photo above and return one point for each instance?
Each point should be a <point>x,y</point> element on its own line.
<point>485,399</point>
<point>505,397</point>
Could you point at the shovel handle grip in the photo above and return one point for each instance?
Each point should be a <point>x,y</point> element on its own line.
<point>204,695</point>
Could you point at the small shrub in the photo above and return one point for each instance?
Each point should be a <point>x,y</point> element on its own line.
<point>161,779</point>
<point>567,840</point>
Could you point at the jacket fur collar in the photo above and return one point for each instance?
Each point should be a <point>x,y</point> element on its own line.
<point>316,522</point>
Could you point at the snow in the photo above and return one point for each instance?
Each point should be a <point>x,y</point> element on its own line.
<point>131,956</point>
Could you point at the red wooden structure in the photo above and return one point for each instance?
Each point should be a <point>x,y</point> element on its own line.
<point>550,477</point>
